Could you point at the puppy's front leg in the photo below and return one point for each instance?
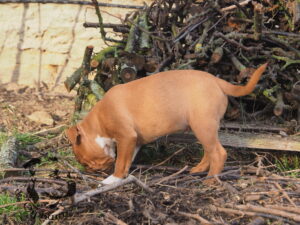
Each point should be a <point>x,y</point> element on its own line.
<point>125,152</point>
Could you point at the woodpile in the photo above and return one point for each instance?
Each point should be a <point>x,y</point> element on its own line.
<point>226,38</point>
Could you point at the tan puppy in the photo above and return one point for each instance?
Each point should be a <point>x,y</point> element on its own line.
<point>140,111</point>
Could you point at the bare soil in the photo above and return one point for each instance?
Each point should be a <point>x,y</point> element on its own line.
<point>18,102</point>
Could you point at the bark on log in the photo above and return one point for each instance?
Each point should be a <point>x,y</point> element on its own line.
<point>145,38</point>
<point>71,81</point>
<point>102,31</point>
<point>80,72</point>
<point>216,56</point>
<point>258,15</point>
<point>8,154</point>
<point>133,34</point>
<point>116,27</point>
<point>296,13</point>
<point>97,90</point>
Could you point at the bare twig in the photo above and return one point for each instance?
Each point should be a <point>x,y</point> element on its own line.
<point>53,215</point>
<point>243,212</point>
<point>276,212</point>
<point>285,194</point>
<point>114,219</point>
<point>231,41</point>
<point>196,217</point>
<point>166,160</point>
<point>130,179</point>
<point>76,171</point>
<point>234,6</point>
<point>285,208</point>
<point>53,130</point>
<point>164,179</point>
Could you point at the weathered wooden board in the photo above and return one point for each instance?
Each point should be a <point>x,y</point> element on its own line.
<point>246,140</point>
<point>255,127</point>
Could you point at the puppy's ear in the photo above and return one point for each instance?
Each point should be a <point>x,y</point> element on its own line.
<point>73,135</point>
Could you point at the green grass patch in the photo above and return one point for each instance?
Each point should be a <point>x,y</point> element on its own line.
<point>62,154</point>
<point>288,162</point>
<point>3,137</point>
<point>23,138</point>
<point>27,139</point>
<point>15,212</point>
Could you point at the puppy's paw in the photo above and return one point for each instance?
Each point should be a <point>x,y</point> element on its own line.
<point>194,170</point>
<point>110,180</point>
<point>210,181</point>
<point>198,169</point>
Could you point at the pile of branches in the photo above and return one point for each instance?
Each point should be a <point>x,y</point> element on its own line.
<point>247,195</point>
<point>227,38</point>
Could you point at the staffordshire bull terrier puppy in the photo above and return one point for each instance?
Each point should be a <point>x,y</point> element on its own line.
<point>139,112</point>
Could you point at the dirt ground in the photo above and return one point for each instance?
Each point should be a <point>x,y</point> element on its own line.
<point>251,190</point>
<point>17,102</point>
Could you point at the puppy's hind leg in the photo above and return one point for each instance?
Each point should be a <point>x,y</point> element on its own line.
<point>206,134</point>
<point>214,154</point>
<point>203,165</point>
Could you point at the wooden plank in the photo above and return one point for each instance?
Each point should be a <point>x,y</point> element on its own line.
<point>259,141</point>
<point>253,127</point>
<point>246,140</point>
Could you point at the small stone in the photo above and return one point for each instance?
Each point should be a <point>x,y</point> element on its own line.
<point>61,113</point>
<point>41,117</point>
<point>17,88</point>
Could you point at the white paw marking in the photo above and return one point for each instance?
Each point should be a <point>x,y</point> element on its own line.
<point>107,144</point>
<point>111,179</point>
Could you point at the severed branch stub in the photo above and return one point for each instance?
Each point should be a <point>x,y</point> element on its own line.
<point>128,73</point>
<point>79,197</point>
<point>71,81</point>
<point>258,14</point>
<point>102,31</point>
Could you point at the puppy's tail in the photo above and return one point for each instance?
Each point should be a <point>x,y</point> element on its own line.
<point>237,91</point>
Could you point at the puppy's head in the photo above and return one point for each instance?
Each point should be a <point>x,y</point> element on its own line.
<point>88,152</point>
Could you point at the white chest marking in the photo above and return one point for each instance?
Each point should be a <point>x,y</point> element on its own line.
<point>111,179</point>
<point>107,144</point>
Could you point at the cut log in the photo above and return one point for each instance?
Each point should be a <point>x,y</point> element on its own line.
<point>80,72</point>
<point>216,56</point>
<point>71,81</point>
<point>128,73</point>
<point>8,154</point>
<point>99,57</point>
<point>97,90</point>
<point>151,66</point>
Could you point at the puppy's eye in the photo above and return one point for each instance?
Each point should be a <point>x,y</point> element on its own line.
<point>78,139</point>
